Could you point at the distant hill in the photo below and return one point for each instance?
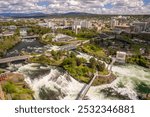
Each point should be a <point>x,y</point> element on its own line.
<point>69,14</point>
<point>22,15</point>
<point>26,15</point>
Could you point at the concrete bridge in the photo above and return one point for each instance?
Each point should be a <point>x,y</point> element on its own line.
<point>29,37</point>
<point>86,88</point>
<point>111,64</point>
<point>68,47</point>
<point>12,59</point>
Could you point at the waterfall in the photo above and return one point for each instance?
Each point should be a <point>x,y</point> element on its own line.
<point>55,83</point>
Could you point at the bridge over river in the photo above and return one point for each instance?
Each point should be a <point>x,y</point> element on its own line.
<point>86,87</point>
<point>29,37</point>
<point>15,58</point>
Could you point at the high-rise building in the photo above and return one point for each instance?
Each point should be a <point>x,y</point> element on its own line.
<point>118,21</point>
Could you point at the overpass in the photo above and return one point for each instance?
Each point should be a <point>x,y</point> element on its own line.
<point>86,88</point>
<point>15,58</point>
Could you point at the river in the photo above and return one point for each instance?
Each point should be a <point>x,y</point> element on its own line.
<point>29,45</point>
<point>49,82</point>
<point>54,83</point>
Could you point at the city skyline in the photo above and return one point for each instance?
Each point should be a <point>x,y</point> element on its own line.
<point>65,6</point>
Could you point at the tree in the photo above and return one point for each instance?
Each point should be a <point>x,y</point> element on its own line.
<point>100,66</point>
<point>147,51</point>
<point>69,61</point>
<point>93,63</point>
<point>72,55</point>
<point>9,87</point>
<point>143,88</point>
<point>80,61</point>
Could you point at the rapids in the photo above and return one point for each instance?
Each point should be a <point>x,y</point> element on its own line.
<point>54,83</point>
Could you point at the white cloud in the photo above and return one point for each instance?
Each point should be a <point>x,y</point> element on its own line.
<point>91,6</point>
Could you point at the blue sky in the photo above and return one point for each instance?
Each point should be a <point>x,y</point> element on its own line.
<point>146,1</point>
<point>63,6</point>
<point>43,3</point>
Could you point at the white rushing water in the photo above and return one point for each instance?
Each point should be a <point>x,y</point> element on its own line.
<point>57,84</point>
<point>55,81</point>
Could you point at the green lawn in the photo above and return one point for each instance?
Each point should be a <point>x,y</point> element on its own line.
<point>93,50</point>
<point>17,91</point>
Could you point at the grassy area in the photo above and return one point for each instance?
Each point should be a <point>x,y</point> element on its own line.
<point>54,58</point>
<point>47,39</point>
<point>7,43</point>
<point>85,74</point>
<point>93,50</point>
<point>78,68</point>
<point>80,38</point>
<point>83,71</point>
<point>1,71</point>
<point>80,73</point>
<point>82,33</point>
<point>16,89</point>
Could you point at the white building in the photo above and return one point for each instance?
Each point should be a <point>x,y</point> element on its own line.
<point>118,21</point>
<point>123,28</point>
<point>43,24</point>
<point>139,26</point>
<point>51,25</point>
<point>114,22</point>
<point>62,38</point>
<point>47,24</point>
<point>121,57</point>
<point>12,27</point>
<point>81,24</point>
<point>23,32</point>
<point>86,24</point>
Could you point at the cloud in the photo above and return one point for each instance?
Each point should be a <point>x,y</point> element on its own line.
<point>90,6</point>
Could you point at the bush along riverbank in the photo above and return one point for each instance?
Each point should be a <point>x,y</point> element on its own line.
<point>139,60</point>
<point>15,88</point>
<point>83,71</point>
<point>79,68</point>
<point>8,43</point>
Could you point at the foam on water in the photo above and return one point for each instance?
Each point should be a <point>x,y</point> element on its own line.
<point>53,80</point>
<point>56,79</point>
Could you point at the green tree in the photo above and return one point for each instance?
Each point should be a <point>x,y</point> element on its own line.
<point>69,61</point>
<point>9,87</point>
<point>100,66</point>
<point>93,63</point>
<point>143,88</point>
<point>80,61</point>
<point>72,55</point>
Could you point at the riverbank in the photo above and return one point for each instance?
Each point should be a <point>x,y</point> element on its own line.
<point>78,67</point>
<point>15,88</point>
<point>8,43</point>
<point>139,60</point>
<point>104,79</point>
<point>50,82</point>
